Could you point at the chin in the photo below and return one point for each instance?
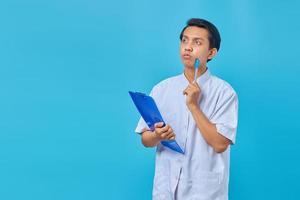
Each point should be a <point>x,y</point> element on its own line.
<point>189,67</point>
<point>187,63</point>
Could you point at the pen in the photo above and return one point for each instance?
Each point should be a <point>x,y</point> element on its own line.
<point>197,64</point>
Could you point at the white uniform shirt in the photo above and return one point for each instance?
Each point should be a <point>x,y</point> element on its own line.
<point>200,173</point>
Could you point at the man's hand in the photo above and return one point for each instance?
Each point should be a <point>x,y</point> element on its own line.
<point>164,132</point>
<point>193,95</point>
<point>152,138</point>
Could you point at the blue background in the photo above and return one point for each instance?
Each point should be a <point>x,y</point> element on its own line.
<point>66,119</point>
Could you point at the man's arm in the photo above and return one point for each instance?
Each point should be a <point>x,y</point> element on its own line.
<point>208,129</point>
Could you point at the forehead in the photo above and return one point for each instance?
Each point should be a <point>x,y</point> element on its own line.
<point>195,32</point>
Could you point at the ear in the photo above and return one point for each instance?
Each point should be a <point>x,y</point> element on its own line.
<point>212,53</point>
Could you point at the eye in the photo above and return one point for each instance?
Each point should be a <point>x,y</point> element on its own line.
<point>198,42</point>
<point>184,40</point>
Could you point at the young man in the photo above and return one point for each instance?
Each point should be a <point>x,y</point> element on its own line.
<point>201,115</point>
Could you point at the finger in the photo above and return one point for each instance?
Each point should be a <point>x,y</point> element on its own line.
<point>185,92</point>
<point>160,131</point>
<point>170,131</point>
<point>172,138</point>
<point>195,89</point>
<point>163,135</point>
<point>166,135</point>
<point>171,135</point>
<point>159,125</point>
<point>163,130</point>
<point>193,85</point>
<point>196,85</point>
<point>166,129</point>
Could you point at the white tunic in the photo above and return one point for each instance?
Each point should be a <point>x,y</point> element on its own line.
<point>200,173</point>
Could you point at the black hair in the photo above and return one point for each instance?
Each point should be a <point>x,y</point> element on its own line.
<point>213,33</point>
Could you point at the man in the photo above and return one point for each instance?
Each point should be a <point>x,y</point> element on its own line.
<point>201,115</point>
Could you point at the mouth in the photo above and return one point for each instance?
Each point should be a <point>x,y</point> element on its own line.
<point>186,56</point>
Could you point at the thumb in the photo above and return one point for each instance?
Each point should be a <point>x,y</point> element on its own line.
<point>159,124</point>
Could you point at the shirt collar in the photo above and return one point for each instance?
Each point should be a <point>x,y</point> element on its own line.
<point>201,80</point>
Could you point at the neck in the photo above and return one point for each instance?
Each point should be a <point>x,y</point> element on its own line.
<point>189,72</point>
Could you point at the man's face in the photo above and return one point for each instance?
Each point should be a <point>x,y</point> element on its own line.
<point>195,44</point>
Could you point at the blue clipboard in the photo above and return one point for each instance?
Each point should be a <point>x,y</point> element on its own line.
<point>151,115</point>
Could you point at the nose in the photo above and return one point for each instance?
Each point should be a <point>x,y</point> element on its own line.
<point>188,47</point>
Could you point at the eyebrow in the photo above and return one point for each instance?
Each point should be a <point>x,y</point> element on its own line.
<point>196,38</point>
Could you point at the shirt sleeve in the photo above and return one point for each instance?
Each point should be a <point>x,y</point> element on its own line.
<point>225,116</point>
<point>142,125</point>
